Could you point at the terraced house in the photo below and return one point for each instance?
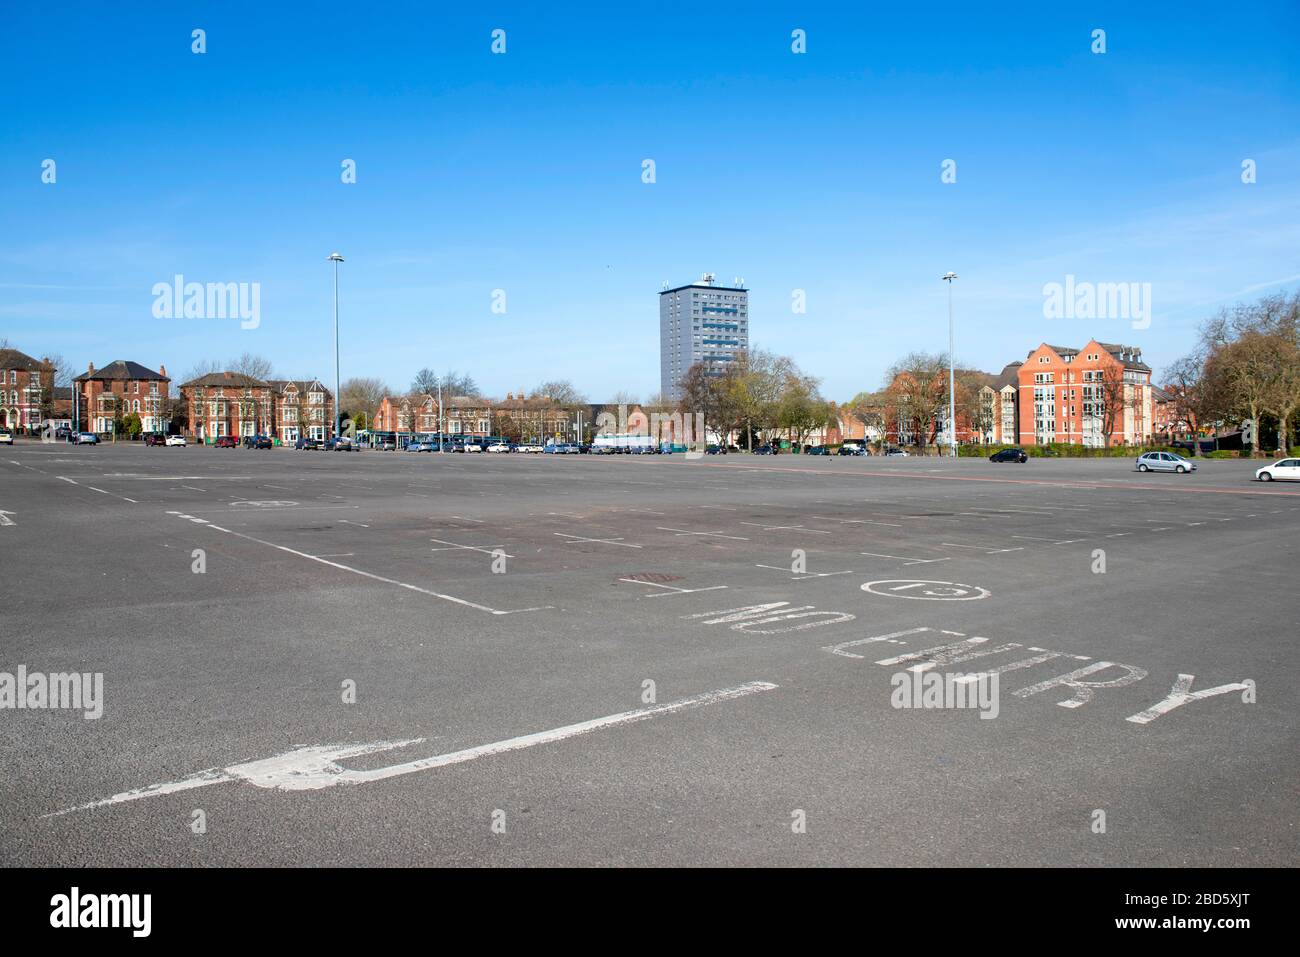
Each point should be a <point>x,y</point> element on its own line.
<point>121,388</point>
<point>26,388</point>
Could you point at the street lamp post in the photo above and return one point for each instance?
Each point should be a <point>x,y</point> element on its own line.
<point>335,258</point>
<point>952,375</point>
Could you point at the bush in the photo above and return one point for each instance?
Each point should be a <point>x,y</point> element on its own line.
<point>1222,454</point>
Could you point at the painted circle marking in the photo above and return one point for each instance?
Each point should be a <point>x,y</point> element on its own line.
<point>925,590</point>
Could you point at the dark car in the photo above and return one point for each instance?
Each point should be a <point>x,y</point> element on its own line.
<point>308,444</point>
<point>338,443</point>
<point>258,442</point>
<point>226,442</point>
<point>852,450</point>
<point>1009,455</point>
<point>818,450</point>
<point>154,438</point>
<point>764,450</point>
<point>64,434</point>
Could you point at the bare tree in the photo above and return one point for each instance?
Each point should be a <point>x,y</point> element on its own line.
<point>560,390</point>
<point>253,366</point>
<point>1115,397</point>
<point>200,369</point>
<point>360,395</point>
<point>425,382</point>
<point>918,387</point>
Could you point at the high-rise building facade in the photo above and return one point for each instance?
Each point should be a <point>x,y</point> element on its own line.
<point>700,322</point>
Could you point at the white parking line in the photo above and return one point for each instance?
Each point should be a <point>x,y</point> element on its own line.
<point>683,531</point>
<point>602,541</point>
<point>374,577</point>
<point>485,549</point>
<point>674,590</point>
<point>906,561</point>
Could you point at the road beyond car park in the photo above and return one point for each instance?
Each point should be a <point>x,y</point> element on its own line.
<point>377,659</point>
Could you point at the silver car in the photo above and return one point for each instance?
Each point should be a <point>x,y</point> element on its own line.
<point>1164,462</point>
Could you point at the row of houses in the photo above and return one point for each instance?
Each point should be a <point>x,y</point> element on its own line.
<point>517,417</point>
<point>1098,395</point>
<point>100,399</point>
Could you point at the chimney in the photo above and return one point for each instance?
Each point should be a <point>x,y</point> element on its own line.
<point>90,369</point>
<point>162,371</point>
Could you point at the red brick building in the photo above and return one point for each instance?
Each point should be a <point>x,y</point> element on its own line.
<point>101,396</point>
<point>304,408</point>
<point>231,403</point>
<point>1097,396</point>
<point>26,390</point>
<point>515,417</point>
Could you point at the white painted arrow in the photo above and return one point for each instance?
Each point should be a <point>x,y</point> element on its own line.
<point>314,767</point>
<point>5,519</point>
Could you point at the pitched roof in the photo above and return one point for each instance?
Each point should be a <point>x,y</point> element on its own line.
<point>122,369</point>
<point>234,380</point>
<point>1130,356</point>
<point>303,385</point>
<point>1010,375</point>
<point>13,359</point>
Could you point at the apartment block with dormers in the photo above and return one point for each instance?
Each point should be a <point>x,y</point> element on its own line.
<point>1097,396</point>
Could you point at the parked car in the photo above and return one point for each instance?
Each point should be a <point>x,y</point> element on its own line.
<point>6,437</point>
<point>1009,455</point>
<point>226,442</point>
<point>1164,462</point>
<point>896,453</point>
<point>818,450</point>
<point>64,433</point>
<point>763,450</point>
<point>341,443</point>
<point>154,438</point>
<point>852,450</point>
<point>498,447</point>
<point>306,444</point>
<point>1283,470</point>
<point>177,440</point>
<point>258,442</point>
<point>418,445</point>
<point>470,445</point>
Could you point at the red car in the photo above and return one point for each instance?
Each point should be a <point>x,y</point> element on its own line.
<point>226,442</point>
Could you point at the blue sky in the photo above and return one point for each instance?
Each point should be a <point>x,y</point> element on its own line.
<point>522,172</point>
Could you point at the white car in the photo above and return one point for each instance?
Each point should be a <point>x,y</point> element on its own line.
<point>175,440</point>
<point>498,447</point>
<point>1164,462</point>
<point>473,447</point>
<point>896,454</point>
<point>6,437</point>
<point>1283,470</point>
<point>530,448</point>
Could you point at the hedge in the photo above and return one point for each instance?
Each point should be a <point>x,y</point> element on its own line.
<point>1069,450</point>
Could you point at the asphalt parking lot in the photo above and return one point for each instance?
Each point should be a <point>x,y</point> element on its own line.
<point>385,658</point>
